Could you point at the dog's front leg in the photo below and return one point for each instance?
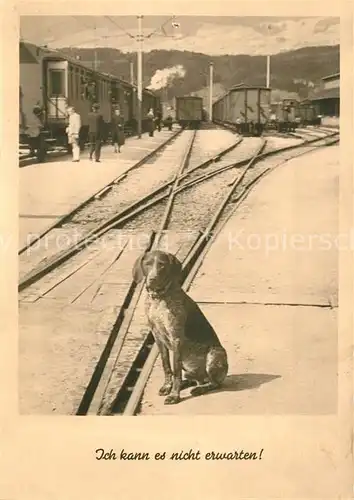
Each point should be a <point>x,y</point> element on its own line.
<point>165,358</point>
<point>174,397</point>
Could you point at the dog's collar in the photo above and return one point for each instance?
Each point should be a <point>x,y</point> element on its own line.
<point>158,294</point>
<point>155,295</point>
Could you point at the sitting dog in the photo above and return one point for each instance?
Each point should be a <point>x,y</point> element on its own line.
<point>179,325</point>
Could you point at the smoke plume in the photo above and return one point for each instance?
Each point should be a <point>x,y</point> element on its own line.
<point>164,77</point>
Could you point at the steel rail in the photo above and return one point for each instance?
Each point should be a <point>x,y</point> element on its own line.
<point>70,214</point>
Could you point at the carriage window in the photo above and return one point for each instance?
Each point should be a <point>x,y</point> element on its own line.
<point>71,84</point>
<point>57,82</point>
<point>76,85</point>
<point>82,85</point>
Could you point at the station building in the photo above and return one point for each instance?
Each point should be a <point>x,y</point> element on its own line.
<point>326,97</point>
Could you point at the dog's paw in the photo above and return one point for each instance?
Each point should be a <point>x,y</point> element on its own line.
<point>165,389</point>
<point>198,391</point>
<point>186,384</point>
<point>172,400</point>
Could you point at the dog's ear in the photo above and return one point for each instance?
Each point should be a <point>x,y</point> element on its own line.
<point>176,267</point>
<point>138,271</point>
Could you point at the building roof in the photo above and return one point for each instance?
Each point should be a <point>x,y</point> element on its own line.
<point>28,54</point>
<point>248,86</point>
<point>325,94</point>
<point>329,77</point>
<point>242,86</point>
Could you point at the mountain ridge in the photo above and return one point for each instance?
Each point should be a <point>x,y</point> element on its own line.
<point>295,71</point>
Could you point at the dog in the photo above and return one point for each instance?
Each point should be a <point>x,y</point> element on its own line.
<point>178,325</point>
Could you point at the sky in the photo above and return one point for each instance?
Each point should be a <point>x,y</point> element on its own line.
<point>209,35</point>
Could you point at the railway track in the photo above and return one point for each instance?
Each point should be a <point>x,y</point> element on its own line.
<point>144,207</point>
<point>119,203</point>
<point>128,356</point>
<point>302,133</point>
<point>91,220</point>
<point>70,215</point>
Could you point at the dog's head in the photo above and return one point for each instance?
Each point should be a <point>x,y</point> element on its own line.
<point>160,269</point>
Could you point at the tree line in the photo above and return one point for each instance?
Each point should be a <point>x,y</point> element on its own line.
<point>294,72</point>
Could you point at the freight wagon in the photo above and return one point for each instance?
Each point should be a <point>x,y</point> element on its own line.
<point>285,115</point>
<point>307,114</point>
<point>168,110</point>
<point>291,107</point>
<point>245,107</point>
<point>50,82</point>
<point>189,111</point>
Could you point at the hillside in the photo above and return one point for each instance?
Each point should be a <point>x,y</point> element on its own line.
<point>294,71</point>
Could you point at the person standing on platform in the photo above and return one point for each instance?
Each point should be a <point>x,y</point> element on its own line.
<point>158,120</point>
<point>238,125</point>
<point>36,140</point>
<point>118,138</point>
<point>96,132</point>
<point>150,122</point>
<point>169,121</point>
<point>73,130</point>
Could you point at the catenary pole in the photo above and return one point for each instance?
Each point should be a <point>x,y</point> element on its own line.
<point>140,74</point>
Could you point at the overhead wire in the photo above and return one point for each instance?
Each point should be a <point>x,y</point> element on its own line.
<point>120,27</point>
<point>68,57</point>
<point>92,40</point>
<point>161,28</point>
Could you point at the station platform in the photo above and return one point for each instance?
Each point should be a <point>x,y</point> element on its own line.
<point>269,286</point>
<point>50,190</point>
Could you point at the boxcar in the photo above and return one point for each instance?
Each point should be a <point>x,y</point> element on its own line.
<point>189,111</point>
<point>285,115</point>
<point>291,109</point>
<point>279,117</point>
<point>244,106</point>
<point>307,114</point>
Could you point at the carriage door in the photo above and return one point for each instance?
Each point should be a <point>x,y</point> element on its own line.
<point>57,91</point>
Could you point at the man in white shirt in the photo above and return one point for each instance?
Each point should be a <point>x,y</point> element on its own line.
<point>73,130</point>
<point>150,122</point>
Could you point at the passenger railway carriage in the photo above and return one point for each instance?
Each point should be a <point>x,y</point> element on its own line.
<point>53,82</point>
